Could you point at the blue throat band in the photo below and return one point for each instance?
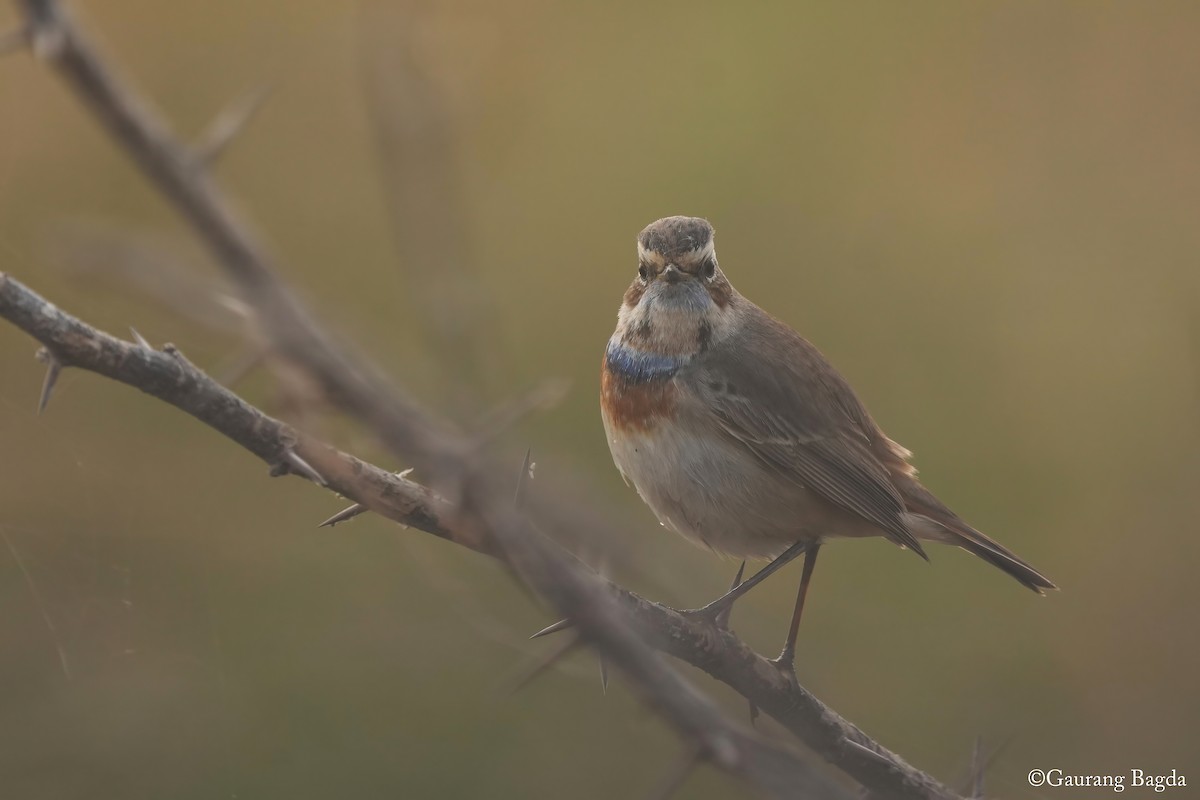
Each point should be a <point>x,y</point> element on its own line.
<point>637,366</point>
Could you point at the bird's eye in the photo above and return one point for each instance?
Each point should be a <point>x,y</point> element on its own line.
<point>643,273</point>
<point>709,269</point>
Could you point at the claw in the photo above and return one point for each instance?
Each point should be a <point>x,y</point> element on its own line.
<point>603,674</point>
<point>715,613</point>
<point>785,662</point>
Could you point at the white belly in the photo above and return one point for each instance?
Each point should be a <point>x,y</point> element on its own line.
<point>705,489</point>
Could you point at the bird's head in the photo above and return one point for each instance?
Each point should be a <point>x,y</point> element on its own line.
<point>679,293</point>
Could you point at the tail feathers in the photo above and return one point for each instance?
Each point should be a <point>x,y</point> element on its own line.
<point>997,555</point>
<point>945,526</point>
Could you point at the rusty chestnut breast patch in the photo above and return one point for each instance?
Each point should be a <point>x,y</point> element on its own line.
<point>636,390</point>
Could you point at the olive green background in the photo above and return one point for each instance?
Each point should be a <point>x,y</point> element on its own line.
<point>985,214</point>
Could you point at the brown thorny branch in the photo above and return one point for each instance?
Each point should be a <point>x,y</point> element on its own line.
<point>480,513</point>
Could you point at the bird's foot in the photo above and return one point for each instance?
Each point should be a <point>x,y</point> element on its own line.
<point>785,662</point>
<point>717,612</point>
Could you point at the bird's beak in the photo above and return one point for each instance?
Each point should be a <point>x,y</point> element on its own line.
<point>672,274</point>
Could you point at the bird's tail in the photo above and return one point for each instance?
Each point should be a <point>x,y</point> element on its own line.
<point>1000,556</point>
<point>945,526</point>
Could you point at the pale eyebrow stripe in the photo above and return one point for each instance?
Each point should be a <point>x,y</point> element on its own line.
<point>696,253</point>
<point>647,255</point>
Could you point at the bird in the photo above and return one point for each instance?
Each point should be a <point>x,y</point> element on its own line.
<point>742,437</point>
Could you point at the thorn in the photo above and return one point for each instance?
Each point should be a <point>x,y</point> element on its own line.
<point>14,40</point>
<point>677,774</point>
<point>722,619</point>
<point>977,768</point>
<point>53,368</point>
<point>141,340</point>
<point>603,674</point>
<point>295,464</point>
<point>353,511</point>
<point>561,625</point>
<point>980,761</point>
<point>344,515</point>
<point>544,663</point>
<point>753,714</point>
<point>526,474</point>
<point>230,122</point>
<point>866,750</point>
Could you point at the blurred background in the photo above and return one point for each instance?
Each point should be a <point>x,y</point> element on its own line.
<point>985,215</point>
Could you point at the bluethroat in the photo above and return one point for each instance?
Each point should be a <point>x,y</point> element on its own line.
<point>742,437</point>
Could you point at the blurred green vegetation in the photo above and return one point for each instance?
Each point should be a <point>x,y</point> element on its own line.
<point>985,214</point>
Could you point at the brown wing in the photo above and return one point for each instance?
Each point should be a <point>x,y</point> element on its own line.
<point>775,393</point>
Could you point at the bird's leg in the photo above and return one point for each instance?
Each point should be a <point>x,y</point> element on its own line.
<point>717,607</point>
<point>787,659</point>
<point>718,610</point>
<point>722,618</point>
